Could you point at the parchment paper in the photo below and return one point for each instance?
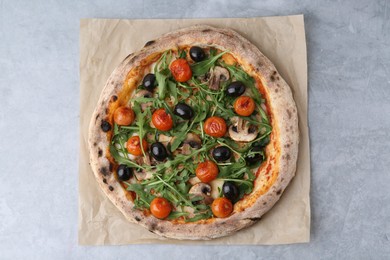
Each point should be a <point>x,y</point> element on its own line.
<point>105,43</point>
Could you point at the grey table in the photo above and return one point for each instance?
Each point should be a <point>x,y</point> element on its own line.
<point>349,116</point>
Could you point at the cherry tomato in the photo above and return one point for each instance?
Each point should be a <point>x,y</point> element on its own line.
<point>124,116</point>
<point>222,207</point>
<point>162,120</point>
<point>215,126</point>
<point>244,106</point>
<point>134,145</point>
<point>207,171</point>
<point>160,207</point>
<point>181,70</point>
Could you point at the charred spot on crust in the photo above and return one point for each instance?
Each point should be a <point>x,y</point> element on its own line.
<point>94,144</point>
<point>100,153</point>
<point>274,73</point>
<point>105,180</point>
<point>254,219</point>
<point>276,90</point>
<point>105,126</point>
<point>110,188</point>
<point>289,113</point>
<point>149,43</point>
<point>272,78</point>
<point>114,98</point>
<point>137,218</point>
<point>104,171</point>
<point>97,116</point>
<point>111,166</point>
<point>152,227</point>
<point>279,192</point>
<point>264,203</point>
<point>206,30</point>
<point>277,77</point>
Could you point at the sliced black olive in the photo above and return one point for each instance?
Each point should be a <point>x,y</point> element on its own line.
<point>184,111</point>
<point>230,191</point>
<point>222,153</point>
<point>255,158</point>
<point>158,151</point>
<point>124,172</point>
<point>235,89</point>
<point>197,54</point>
<point>149,82</point>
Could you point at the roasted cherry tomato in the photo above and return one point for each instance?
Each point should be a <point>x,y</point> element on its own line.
<point>244,106</point>
<point>162,120</point>
<point>160,208</point>
<point>124,116</point>
<point>134,145</point>
<point>222,207</point>
<point>181,70</point>
<point>207,171</point>
<point>215,126</point>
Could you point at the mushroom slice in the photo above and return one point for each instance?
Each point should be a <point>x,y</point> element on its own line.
<point>142,174</point>
<point>145,94</point>
<point>242,131</point>
<point>201,190</point>
<point>192,141</point>
<point>219,74</point>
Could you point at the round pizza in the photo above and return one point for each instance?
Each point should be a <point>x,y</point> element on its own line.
<point>195,136</point>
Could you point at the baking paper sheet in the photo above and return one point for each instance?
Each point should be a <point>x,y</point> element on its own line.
<point>105,43</point>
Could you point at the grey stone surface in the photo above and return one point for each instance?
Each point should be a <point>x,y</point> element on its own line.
<point>349,117</point>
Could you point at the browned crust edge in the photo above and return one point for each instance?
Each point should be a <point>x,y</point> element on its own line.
<point>285,125</point>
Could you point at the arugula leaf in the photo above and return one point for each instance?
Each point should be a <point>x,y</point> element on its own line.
<point>161,77</point>
<point>144,197</point>
<point>173,90</point>
<point>201,68</point>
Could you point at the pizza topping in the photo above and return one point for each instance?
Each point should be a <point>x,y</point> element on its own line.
<point>191,156</point>
<point>222,207</point>
<point>134,146</point>
<point>158,151</point>
<point>124,116</point>
<point>235,89</point>
<point>181,70</point>
<point>244,106</point>
<point>124,172</point>
<point>221,153</point>
<point>230,191</point>
<point>197,54</point>
<point>207,171</point>
<point>201,193</point>
<point>218,75</point>
<point>162,120</point>
<point>215,126</point>
<point>149,82</point>
<point>160,208</point>
<point>184,111</point>
<point>242,131</point>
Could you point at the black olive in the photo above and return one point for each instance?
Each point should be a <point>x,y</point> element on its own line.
<point>197,54</point>
<point>124,172</point>
<point>105,126</point>
<point>158,151</point>
<point>184,111</point>
<point>255,158</point>
<point>263,142</point>
<point>149,82</point>
<point>235,89</point>
<point>222,153</point>
<point>230,191</point>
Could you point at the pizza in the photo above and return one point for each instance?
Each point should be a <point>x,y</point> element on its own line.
<point>196,135</point>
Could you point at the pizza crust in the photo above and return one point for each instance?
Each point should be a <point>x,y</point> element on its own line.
<point>282,152</point>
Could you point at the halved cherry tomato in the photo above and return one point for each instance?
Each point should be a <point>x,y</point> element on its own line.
<point>124,116</point>
<point>160,207</point>
<point>162,120</point>
<point>215,126</point>
<point>222,207</point>
<point>181,70</point>
<point>134,145</point>
<point>244,106</point>
<point>207,171</point>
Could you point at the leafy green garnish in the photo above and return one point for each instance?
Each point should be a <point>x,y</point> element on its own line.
<point>202,67</point>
